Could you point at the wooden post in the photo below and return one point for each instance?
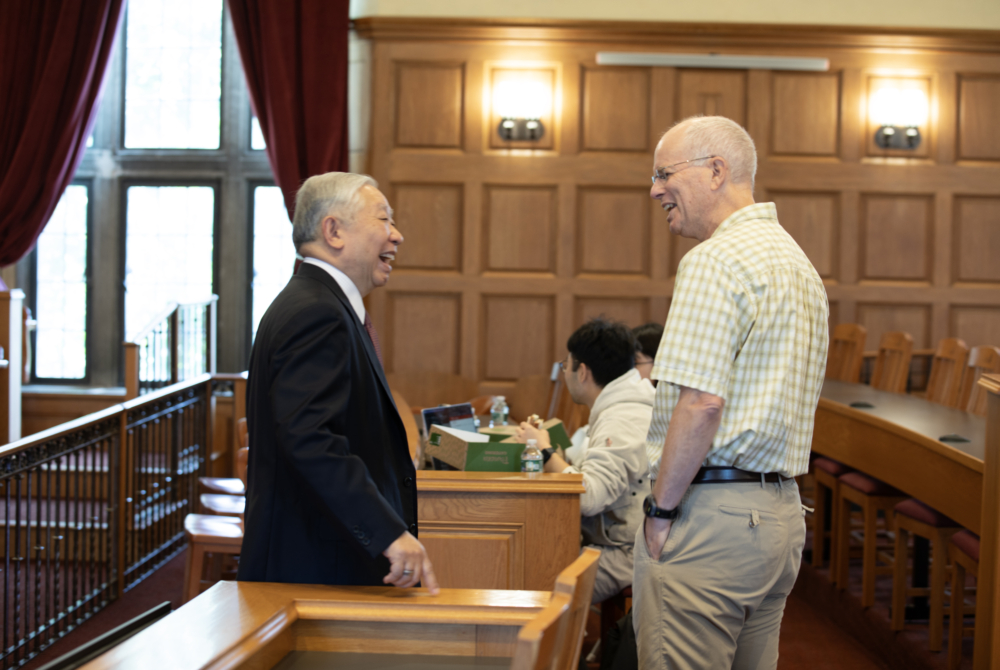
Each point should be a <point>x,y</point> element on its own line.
<point>11,330</point>
<point>131,370</point>
<point>122,506</point>
<point>175,344</point>
<point>212,333</point>
<point>987,653</point>
<point>239,411</point>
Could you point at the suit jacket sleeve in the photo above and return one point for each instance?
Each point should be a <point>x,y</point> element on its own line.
<point>314,372</point>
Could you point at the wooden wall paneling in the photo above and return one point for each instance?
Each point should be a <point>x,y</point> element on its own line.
<point>944,115</point>
<point>812,220</point>
<point>879,318</point>
<point>663,106</point>
<point>472,338</point>
<point>473,265</point>
<point>922,83</point>
<point>429,104</point>
<point>852,126</point>
<point>519,224</point>
<point>759,113</point>
<point>547,75</point>
<point>976,239</point>
<point>834,316</point>
<point>516,336</point>
<point>978,102</point>
<point>976,324</point>
<point>896,237</point>
<point>850,232</point>
<point>630,311</point>
<point>569,209</point>
<point>713,92</point>
<point>426,332</point>
<point>476,112</point>
<point>942,237</point>
<point>679,246</point>
<point>805,113</point>
<point>660,242</point>
<point>615,108</point>
<point>429,216</point>
<point>613,231</point>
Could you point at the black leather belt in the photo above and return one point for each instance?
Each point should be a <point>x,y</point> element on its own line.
<point>713,475</point>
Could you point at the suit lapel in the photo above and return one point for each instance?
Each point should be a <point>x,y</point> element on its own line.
<point>324,277</point>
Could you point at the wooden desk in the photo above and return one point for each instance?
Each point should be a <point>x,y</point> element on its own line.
<point>896,439</point>
<point>254,625</point>
<point>499,530</point>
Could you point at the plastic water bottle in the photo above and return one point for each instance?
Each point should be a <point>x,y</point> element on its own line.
<point>531,458</point>
<point>499,412</point>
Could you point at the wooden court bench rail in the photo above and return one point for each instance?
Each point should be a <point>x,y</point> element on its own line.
<point>254,625</point>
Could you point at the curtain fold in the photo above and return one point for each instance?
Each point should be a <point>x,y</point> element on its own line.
<point>53,58</point>
<point>295,58</point>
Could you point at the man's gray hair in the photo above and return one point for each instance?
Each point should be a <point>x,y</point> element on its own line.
<point>719,136</point>
<point>331,194</point>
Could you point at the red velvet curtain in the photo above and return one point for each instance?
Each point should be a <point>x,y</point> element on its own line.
<point>295,59</point>
<point>53,56</point>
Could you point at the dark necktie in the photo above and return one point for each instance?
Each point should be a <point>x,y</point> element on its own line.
<point>374,337</point>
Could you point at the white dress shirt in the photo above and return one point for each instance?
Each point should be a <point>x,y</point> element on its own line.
<point>345,283</point>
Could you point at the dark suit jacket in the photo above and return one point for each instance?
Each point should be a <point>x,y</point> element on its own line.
<point>330,483</point>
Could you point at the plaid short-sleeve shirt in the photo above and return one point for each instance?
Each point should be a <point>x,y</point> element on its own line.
<point>748,323</point>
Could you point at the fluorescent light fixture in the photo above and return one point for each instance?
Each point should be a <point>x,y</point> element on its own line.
<point>723,61</point>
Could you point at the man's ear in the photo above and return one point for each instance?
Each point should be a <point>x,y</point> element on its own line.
<point>720,171</point>
<point>583,373</point>
<point>332,232</point>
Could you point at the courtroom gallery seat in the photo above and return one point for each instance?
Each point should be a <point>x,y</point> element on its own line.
<point>846,353</point>
<point>826,480</point>
<point>913,516</point>
<point>892,364</point>
<point>577,582</point>
<point>207,533</point>
<point>945,384</point>
<point>963,550</point>
<point>981,360</point>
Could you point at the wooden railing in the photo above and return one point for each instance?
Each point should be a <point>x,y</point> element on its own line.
<point>11,363</point>
<point>177,345</point>
<point>93,506</point>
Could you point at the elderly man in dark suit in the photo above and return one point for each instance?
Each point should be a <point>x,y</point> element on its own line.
<point>331,491</point>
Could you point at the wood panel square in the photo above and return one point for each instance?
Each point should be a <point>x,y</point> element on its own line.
<point>424,332</point>
<point>517,335</point>
<point>630,311</point>
<point>896,237</point>
<point>493,555</point>
<point>976,325</point>
<point>616,109</point>
<point>429,104</point>
<point>520,226</point>
<point>613,231</point>
<point>812,220</point>
<point>978,131</point>
<point>879,319</point>
<point>429,216</point>
<point>712,92</point>
<point>806,114</point>
<point>977,239</point>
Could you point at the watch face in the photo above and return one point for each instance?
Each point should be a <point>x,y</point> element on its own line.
<point>647,505</point>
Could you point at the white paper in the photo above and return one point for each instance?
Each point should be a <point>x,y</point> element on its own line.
<point>464,434</point>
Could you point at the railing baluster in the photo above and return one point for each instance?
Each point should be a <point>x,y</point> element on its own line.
<point>6,570</point>
<point>17,565</point>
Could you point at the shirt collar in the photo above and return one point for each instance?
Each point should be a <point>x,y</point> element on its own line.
<point>345,283</point>
<point>756,211</point>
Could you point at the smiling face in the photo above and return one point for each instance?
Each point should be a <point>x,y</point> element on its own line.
<point>683,194</point>
<point>369,242</point>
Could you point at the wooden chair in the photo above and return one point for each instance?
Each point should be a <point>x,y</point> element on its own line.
<point>912,516</point>
<point>430,389</point>
<point>847,348</point>
<point>530,395</point>
<point>892,365</point>
<point>409,423</point>
<point>221,504</point>
<point>540,640</point>
<point>233,486</point>
<point>577,582</point>
<point>243,432</point>
<point>945,383</point>
<point>205,534</point>
<point>981,360</point>
<point>963,550</point>
<point>826,480</point>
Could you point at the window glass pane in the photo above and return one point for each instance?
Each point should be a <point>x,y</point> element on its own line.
<point>61,292</point>
<point>168,250</point>
<point>273,251</point>
<point>173,74</point>
<point>256,136</point>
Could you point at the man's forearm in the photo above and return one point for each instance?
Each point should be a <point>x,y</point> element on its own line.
<point>693,425</point>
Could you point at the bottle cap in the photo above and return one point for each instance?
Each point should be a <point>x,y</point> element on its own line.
<point>532,443</point>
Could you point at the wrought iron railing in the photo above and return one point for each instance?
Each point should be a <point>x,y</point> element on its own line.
<point>177,345</point>
<point>91,507</point>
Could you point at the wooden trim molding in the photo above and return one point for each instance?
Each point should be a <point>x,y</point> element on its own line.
<point>733,35</point>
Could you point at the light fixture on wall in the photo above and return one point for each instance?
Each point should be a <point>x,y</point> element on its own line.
<point>899,112</point>
<point>521,106</point>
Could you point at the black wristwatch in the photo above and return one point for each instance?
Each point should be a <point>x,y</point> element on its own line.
<point>547,454</point>
<point>650,509</point>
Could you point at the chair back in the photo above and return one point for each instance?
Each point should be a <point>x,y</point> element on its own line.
<point>982,360</point>
<point>241,430</point>
<point>892,365</point>
<point>847,348</point>
<point>242,458</point>
<point>945,384</point>
<point>430,389</point>
<point>409,423</point>
<point>530,395</point>
<point>577,582</point>
<point>539,640</point>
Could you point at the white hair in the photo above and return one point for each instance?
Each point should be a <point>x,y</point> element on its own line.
<point>719,136</point>
<point>331,194</point>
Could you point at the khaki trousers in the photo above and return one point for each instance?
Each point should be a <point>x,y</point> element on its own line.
<point>715,597</point>
<point>614,572</point>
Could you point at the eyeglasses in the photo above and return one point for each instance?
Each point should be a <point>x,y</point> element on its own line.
<point>563,363</point>
<point>661,173</point>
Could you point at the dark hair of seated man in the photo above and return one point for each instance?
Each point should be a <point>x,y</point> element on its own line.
<point>606,347</point>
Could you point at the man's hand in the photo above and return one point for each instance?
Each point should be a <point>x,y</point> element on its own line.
<point>409,564</point>
<point>656,531</point>
<point>527,432</point>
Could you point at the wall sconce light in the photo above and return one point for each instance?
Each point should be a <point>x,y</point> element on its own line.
<point>521,105</point>
<point>899,113</point>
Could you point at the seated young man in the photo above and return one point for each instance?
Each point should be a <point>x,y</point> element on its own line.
<point>600,372</point>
